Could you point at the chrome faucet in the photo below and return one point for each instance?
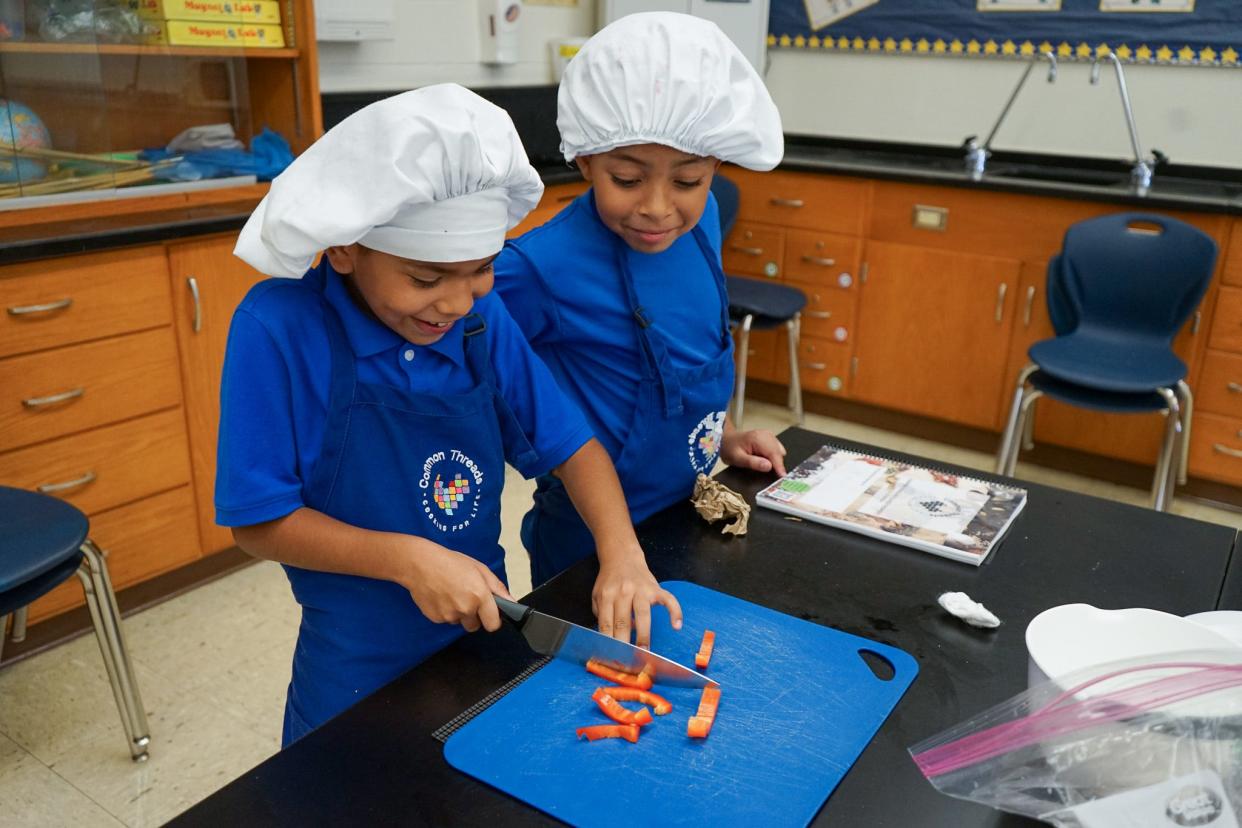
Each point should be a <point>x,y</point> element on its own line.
<point>1140,173</point>
<point>976,155</point>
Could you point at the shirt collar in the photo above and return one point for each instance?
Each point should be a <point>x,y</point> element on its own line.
<point>368,336</point>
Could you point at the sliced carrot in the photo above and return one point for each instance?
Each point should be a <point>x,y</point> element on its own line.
<point>659,705</point>
<point>698,727</point>
<point>641,680</point>
<point>615,711</point>
<point>709,702</point>
<point>627,732</point>
<point>704,654</point>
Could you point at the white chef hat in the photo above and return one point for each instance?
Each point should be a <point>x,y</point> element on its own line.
<point>671,79</point>
<point>437,174</point>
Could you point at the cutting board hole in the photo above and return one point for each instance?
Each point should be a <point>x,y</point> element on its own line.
<point>878,664</point>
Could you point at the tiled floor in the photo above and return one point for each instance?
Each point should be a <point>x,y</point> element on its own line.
<point>213,665</point>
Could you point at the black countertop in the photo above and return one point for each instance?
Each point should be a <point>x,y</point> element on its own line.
<point>1202,189</point>
<point>378,764</point>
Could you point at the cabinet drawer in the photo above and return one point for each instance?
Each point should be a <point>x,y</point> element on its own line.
<point>1227,321</point>
<point>55,302</point>
<point>823,366</point>
<point>760,355</point>
<point>142,539</point>
<point>110,466</point>
<point>823,259</point>
<point>810,201</point>
<point>1216,448</point>
<point>754,251</point>
<point>1231,274</point>
<point>54,393</point>
<point>829,314</point>
<point>1220,384</point>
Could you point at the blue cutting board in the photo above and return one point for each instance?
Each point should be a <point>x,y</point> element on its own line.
<point>798,705</point>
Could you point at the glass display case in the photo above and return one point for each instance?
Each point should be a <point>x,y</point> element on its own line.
<point>109,99</point>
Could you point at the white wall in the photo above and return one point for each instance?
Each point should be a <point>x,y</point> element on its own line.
<point>436,41</point>
<point>1192,114</point>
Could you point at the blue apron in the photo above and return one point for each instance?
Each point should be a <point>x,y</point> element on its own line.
<point>675,433</point>
<point>393,461</point>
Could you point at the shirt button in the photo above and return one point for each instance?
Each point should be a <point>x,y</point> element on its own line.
<point>409,354</point>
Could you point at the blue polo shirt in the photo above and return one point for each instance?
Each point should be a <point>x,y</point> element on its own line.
<point>563,286</point>
<point>276,382</point>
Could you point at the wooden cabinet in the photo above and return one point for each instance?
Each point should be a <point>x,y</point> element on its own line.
<point>208,283</point>
<point>933,331</point>
<point>91,407</point>
<point>554,199</point>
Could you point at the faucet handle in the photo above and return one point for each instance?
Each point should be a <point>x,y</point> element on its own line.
<point>970,142</point>
<point>1159,157</point>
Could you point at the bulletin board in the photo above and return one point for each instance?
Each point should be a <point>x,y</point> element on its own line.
<point>1179,32</point>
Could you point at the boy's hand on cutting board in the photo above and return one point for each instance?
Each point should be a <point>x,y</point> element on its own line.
<point>624,593</point>
<point>758,450</point>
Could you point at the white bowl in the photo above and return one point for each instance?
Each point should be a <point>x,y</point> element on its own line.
<point>1071,637</point>
<point>1223,622</point>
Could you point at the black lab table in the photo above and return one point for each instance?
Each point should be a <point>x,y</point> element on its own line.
<point>378,762</point>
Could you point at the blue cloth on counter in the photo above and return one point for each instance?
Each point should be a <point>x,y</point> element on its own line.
<point>276,385</point>
<point>268,156</point>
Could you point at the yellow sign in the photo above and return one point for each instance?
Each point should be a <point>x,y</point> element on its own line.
<point>238,11</point>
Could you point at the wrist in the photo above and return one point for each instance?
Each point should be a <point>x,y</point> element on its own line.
<point>406,559</point>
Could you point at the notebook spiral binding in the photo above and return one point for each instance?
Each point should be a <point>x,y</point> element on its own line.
<point>444,731</point>
<point>934,466</point>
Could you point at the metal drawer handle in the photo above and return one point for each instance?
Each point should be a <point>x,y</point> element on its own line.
<point>1234,388</point>
<point>817,366</point>
<point>48,488</point>
<point>749,251</point>
<point>52,399</point>
<point>1225,450</point>
<point>788,202</point>
<point>1000,300</point>
<point>198,305</point>
<point>819,314</point>
<point>46,307</point>
<point>819,260</point>
<point>1026,312</point>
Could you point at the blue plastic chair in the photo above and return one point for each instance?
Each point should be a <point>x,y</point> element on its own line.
<point>1120,290</point>
<point>43,542</point>
<point>757,305</point>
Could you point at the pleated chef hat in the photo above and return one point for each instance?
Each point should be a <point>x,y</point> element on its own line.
<point>671,79</point>
<point>437,174</point>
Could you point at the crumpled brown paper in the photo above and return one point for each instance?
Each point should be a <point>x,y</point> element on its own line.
<point>714,501</point>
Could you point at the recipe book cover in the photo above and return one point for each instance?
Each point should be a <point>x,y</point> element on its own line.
<point>946,514</point>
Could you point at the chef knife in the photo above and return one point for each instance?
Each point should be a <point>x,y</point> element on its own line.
<point>561,639</point>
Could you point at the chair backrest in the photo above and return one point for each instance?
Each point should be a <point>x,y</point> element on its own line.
<point>1061,310</point>
<point>1134,273</point>
<point>727,199</point>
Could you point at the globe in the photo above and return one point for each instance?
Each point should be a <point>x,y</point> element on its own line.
<point>20,127</point>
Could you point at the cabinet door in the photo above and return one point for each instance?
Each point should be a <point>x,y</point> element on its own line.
<point>933,332</point>
<point>208,283</point>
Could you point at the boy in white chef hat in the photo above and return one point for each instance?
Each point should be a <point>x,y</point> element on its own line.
<point>622,293</point>
<point>370,403</point>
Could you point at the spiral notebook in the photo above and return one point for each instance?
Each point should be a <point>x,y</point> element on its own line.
<point>940,512</point>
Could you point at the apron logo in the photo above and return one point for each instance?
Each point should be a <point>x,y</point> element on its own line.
<point>451,484</point>
<point>704,442</point>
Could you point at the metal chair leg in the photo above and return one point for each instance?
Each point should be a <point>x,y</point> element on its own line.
<point>1188,410</point>
<point>1028,432</point>
<point>1162,482</point>
<point>1026,413</point>
<point>739,385</point>
<point>106,616</point>
<point>1011,424</point>
<point>19,625</point>
<point>794,329</point>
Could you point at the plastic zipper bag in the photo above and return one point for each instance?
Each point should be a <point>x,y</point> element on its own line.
<point>1143,742</point>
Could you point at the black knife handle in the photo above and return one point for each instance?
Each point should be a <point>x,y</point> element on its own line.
<point>512,610</point>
